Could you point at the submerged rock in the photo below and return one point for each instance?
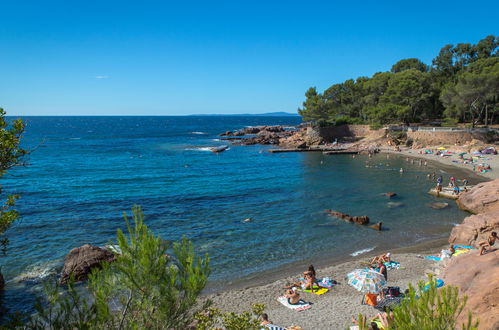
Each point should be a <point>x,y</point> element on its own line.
<point>2,282</point>
<point>80,261</point>
<point>393,205</point>
<point>438,205</point>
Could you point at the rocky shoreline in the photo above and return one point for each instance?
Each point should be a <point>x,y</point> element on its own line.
<point>476,276</point>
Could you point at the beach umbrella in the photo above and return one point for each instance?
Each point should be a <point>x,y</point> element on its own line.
<point>462,153</point>
<point>441,148</point>
<point>366,280</point>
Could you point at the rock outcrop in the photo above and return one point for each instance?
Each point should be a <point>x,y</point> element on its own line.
<point>483,200</point>
<point>80,261</point>
<point>476,277</point>
<point>362,220</point>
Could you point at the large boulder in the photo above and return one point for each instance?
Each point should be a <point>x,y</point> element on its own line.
<point>475,228</point>
<point>80,261</point>
<point>481,198</point>
<point>476,277</point>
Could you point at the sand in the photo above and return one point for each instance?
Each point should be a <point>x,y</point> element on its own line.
<point>335,309</point>
<point>492,160</point>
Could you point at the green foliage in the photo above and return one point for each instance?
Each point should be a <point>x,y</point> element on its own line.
<point>427,308</point>
<point>143,288</point>
<point>151,288</point>
<point>430,308</point>
<point>212,319</point>
<point>63,309</point>
<point>461,81</point>
<point>11,155</point>
<point>410,63</point>
<point>450,122</point>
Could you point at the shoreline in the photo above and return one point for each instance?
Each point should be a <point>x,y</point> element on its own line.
<point>286,270</point>
<point>344,301</point>
<point>448,162</point>
<point>334,309</point>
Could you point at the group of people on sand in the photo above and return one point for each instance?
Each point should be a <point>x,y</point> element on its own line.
<point>309,282</point>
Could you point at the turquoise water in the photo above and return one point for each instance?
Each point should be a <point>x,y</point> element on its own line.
<point>87,171</point>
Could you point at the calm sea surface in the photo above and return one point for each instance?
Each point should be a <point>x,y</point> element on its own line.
<point>87,171</point>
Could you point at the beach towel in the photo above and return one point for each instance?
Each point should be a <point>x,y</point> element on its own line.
<point>317,290</point>
<point>440,283</point>
<point>437,258</point>
<point>272,327</point>
<point>301,306</point>
<point>326,282</point>
<point>392,265</point>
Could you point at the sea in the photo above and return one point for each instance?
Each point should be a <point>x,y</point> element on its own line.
<point>84,173</point>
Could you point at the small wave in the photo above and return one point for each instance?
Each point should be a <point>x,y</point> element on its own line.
<point>77,138</point>
<point>199,148</point>
<point>38,272</point>
<point>199,133</point>
<point>216,140</point>
<point>356,253</point>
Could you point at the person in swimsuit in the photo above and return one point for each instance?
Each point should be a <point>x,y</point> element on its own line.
<point>382,270</point>
<point>265,319</point>
<point>293,297</point>
<point>491,240</point>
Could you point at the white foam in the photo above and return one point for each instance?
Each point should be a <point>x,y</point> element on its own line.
<point>356,253</point>
<point>199,133</point>
<point>199,149</point>
<point>38,271</point>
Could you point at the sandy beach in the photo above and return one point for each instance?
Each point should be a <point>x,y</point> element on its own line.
<point>335,309</point>
<point>452,160</point>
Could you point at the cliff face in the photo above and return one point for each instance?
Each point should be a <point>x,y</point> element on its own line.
<point>477,276</point>
<point>483,200</point>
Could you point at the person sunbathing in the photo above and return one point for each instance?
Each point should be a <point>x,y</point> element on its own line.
<point>293,297</point>
<point>491,240</point>
<point>307,283</point>
<point>382,258</point>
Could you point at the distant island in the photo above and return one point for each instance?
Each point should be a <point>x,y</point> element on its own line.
<point>267,114</point>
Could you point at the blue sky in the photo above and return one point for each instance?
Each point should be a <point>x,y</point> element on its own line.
<point>184,57</point>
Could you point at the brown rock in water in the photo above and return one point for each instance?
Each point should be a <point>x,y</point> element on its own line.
<point>476,277</point>
<point>376,226</point>
<point>80,261</point>
<point>362,220</point>
<point>390,194</point>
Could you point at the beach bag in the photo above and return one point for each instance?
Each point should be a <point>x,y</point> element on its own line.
<point>370,299</point>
